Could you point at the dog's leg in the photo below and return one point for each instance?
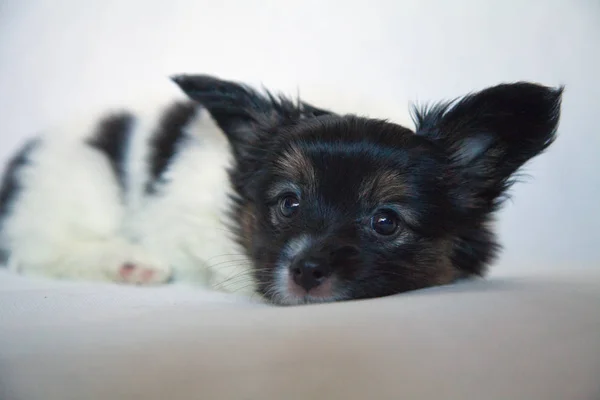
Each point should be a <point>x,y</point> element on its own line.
<point>113,260</point>
<point>66,217</point>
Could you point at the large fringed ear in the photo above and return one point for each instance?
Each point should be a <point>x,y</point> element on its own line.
<point>242,112</point>
<point>490,134</point>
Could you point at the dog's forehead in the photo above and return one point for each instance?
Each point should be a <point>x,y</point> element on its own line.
<point>350,159</point>
<point>348,172</point>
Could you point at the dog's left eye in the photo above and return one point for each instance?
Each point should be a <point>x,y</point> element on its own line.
<point>385,223</point>
<point>288,205</point>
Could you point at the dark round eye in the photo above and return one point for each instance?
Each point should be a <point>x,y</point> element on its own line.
<point>385,223</point>
<point>288,205</point>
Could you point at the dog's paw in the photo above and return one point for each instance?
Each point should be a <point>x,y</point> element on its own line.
<point>132,265</point>
<point>143,274</point>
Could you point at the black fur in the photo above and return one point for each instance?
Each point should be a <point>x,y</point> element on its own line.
<point>112,139</point>
<point>440,185</point>
<point>10,186</point>
<point>487,137</point>
<point>166,140</point>
<point>236,108</point>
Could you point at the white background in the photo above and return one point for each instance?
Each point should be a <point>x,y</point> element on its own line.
<point>60,58</point>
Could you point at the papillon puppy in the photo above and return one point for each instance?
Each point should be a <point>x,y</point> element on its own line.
<point>272,195</point>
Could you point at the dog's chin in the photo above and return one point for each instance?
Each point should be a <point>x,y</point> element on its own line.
<point>287,293</point>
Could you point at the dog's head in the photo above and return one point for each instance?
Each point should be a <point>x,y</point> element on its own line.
<point>334,207</point>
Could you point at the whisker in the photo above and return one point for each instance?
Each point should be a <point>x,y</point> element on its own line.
<point>227,255</point>
<point>239,275</point>
<point>243,287</point>
<point>241,261</point>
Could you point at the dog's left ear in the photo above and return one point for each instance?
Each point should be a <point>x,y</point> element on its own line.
<point>489,135</point>
<point>241,112</point>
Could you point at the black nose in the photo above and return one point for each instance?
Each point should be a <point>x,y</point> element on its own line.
<point>310,272</point>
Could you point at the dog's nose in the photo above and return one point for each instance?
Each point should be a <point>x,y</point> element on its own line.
<point>309,273</point>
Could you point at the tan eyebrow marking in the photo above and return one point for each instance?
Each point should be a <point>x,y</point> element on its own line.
<point>387,186</point>
<point>295,166</point>
<point>383,187</point>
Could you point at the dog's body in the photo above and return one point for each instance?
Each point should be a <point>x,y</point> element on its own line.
<point>129,196</point>
<point>323,207</point>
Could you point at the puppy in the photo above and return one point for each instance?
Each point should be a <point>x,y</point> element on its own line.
<point>335,207</point>
<point>324,207</point>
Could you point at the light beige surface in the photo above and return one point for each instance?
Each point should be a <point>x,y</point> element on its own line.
<point>522,338</point>
<point>61,59</point>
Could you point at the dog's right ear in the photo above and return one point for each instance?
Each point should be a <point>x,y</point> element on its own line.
<point>489,135</point>
<point>241,112</point>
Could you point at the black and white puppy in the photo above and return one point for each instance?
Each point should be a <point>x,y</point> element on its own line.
<point>325,207</point>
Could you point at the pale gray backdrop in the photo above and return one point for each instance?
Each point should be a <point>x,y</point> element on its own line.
<point>59,58</point>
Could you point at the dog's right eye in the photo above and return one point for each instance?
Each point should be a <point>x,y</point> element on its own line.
<point>385,223</point>
<point>289,205</point>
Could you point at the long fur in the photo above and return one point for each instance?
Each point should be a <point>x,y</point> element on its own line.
<point>250,191</point>
<point>135,196</point>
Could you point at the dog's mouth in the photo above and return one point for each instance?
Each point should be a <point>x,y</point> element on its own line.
<point>285,291</point>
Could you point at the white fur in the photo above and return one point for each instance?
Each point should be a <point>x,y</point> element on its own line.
<point>69,219</point>
<point>281,289</point>
<point>291,250</point>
